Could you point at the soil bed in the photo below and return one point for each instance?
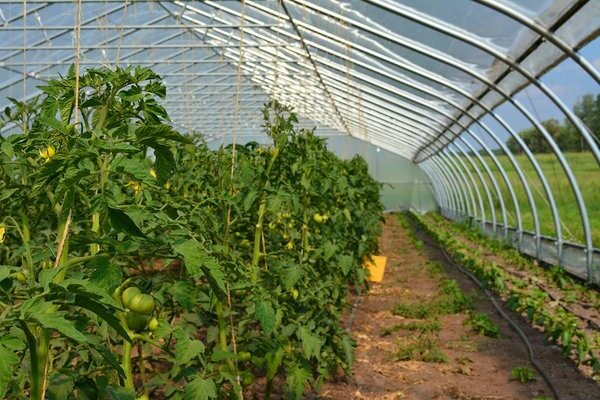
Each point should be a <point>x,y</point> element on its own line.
<point>462,364</point>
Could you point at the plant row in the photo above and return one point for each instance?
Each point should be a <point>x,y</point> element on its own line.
<point>138,263</point>
<point>521,295</point>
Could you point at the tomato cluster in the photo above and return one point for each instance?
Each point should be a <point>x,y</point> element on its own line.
<point>200,269</point>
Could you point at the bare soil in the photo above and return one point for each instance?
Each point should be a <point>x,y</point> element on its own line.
<point>477,367</point>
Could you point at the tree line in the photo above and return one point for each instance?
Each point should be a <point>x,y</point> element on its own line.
<point>587,108</point>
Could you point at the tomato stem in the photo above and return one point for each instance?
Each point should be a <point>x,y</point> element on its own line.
<point>126,365</point>
<point>223,333</point>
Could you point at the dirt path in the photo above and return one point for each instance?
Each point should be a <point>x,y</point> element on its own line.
<point>473,367</point>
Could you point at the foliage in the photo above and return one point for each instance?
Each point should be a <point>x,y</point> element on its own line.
<point>451,300</point>
<point>522,374</point>
<point>421,348</point>
<point>137,262</point>
<point>481,324</point>
<point>587,109</point>
<point>523,296</point>
<point>426,326</point>
<point>585,169</point>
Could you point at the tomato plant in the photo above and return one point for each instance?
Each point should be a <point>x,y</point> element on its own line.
<point>137,262</point>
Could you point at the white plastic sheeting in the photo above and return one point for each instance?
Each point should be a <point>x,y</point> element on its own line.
<point>408,76</point>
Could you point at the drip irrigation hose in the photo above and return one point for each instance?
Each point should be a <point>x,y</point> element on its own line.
<point>503,314</point>
<point>353,311</point>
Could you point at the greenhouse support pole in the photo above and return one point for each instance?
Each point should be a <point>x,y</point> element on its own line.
<point>437,191</point>
<point>509,185</point>
<point>462,206</point>
<point>473,210</point>
<point>442,188</point>
<point>494,184</point>
<point>483,184</point>
<point>448,201</point>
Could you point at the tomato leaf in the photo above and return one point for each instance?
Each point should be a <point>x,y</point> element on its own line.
<point>310,343</point>
<point>266,316</point>
<point>200,389</point>
<point>103,312</point>
<point>119,393</point>
<point>57,321</point>
<point>7,366</point>
<point>197,260</point>
<point>186,349</point>
<point>297,377</point>
<point>121,222</point>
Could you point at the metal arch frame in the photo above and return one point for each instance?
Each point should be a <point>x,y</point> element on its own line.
<point>520,108</point>
<point>563,162</point>
<point>484,184</point>
<point>472,180</point>
<point>507,181</point>
<point>533,208</point>
<point>453,188</point>
<point>466,38</point>
<point>450,143</point>
<point>545,33</point>
<point>547,92</point>
<point>459,176</point>
<point>204,14</point>
<point>532,159</point>
<point>460,201</point>
<point>440,190</point>
<point>565,167</point>
<point>443,201</point>
<point>214,6</point>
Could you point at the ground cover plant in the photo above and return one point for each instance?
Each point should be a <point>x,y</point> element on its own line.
<point>544,296</point>
<point>138,263</point>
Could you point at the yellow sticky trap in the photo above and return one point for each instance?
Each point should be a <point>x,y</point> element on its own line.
<point>376,267</point>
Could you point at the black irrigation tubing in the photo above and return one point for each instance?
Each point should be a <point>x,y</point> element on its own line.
<point>354,309</point>
<point>503,314</point>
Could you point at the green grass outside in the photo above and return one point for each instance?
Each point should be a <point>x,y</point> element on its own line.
<point>586,172</point>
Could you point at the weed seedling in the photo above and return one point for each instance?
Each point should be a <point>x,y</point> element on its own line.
<point>481,324</point>
<point>427,326</point>
<point>522,374</point>
<point>423,348</point>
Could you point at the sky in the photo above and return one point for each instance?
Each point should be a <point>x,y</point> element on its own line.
<point>567,80</point>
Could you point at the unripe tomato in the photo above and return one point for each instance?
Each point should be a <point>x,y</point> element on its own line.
<point>20,276</point>
<point>295,294</point>
<point>318,218</point>
<point>143,397</point>
<point>247,378</point>
<point>141,303</point>
<point>245,243</point>
<point>244,356</point>
<point>153,325</point>
<point>137,322</point>
<point>128,295</point>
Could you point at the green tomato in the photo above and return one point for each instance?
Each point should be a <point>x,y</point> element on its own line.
<point>244,356</point>
<point>247,378</point>
<point>20,276</point>
<point>245,243</point>
<point>128,295</point>
<point>143,397</point>
<point>153,325</point>
<point>295,294</point>
<point>137,322</point>
<point>318,218</point>
<point>141,303</point>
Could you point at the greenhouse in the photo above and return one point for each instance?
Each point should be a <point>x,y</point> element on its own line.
<point>299,199</point>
